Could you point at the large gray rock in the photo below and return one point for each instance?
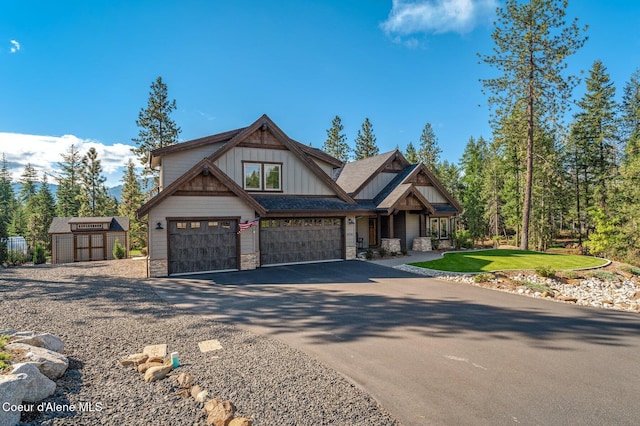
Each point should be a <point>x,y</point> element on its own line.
<point>44,340</point>
<point>12,390</point>
<point>52,364</point>
<point>40,387</point>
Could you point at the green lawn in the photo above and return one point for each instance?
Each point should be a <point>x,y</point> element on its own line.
<point>503,260</point>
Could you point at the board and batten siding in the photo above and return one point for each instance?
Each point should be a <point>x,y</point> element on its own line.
<point>62,248</point>
<point>297,179</point>
<point>376,185</point>
<point>198,206</point>
<point>178,163</point>
<point>326,167</point>
<point>432,194</point>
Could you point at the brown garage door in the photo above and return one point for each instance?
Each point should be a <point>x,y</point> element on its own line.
<point>202,245</point>
<point>300,240</point>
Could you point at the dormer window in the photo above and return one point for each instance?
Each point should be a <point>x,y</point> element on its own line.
<point>262,176</point>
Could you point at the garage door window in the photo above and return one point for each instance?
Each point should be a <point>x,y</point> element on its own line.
<point>181,225</point>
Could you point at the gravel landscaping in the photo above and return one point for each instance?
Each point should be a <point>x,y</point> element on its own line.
<point>609,287</point>
<point>103,312</point>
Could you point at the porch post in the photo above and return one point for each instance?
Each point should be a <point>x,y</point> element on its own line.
<point>391,225</point>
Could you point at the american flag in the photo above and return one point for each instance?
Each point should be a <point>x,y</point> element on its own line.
<point>248,224</point>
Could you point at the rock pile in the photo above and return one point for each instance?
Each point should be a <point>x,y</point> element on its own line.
<point>32,381</point>
<point>156,367</point>
<point>606,291</point>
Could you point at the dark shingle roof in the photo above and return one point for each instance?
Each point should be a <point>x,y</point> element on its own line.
<point>62,225</point>
<point>394,183</point>
<point>305,204</point>
<point>444,208</point>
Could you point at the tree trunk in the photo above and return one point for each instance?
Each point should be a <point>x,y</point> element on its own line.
<point>528,184</point>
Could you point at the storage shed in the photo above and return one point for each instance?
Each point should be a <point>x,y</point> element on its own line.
<point>78,239</point>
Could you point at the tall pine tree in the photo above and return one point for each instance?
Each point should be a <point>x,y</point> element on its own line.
<point>336,143</point>
<point>156,128</point>
<point>130,200</point>
<point>366,142</point>
<point>93,199</point>
<point>429,151</point>
<point>595,131</point>
<point>411,154</point>
<point>69,183</point>
<point>532,43</point>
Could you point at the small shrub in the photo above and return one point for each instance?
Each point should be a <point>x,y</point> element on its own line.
<point>570,275</point>
<point>3,355</point>
<point>393,254</point>
<point>435,243</point>
<point>368,254</point>
<point>144,251</point>
<point>462,238</point>
<point>16,258</point>
<point>382,252</point>
<point>604,276</point>
<point>536,287</point>
<point>546,272</point>
<point>630,269</point>
<point>483,277</point>
<point>403,251</point>
<point>39,255</point>
<point>118,250</point>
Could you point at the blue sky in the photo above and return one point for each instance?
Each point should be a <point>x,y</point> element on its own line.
<point>79,71</point>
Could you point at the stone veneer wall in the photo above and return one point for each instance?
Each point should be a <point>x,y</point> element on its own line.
<point>391,245</point>
<point>351,253</point>
<point>421,244</point>
<point>158,268</point>
<point>249,261</point>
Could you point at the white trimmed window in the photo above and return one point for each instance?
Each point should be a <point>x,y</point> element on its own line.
<point>262,177</point>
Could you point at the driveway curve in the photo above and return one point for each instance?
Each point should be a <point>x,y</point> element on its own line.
<point>436,352</point>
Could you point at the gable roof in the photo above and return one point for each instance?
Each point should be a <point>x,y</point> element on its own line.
<point>62,225</point>
<point>401,192</point>
<point>156,154</point>
<point>356,175</point>
<point>203,166</point>
<point>224,137</point>
<point>434,180</point>
<point>265,123</point>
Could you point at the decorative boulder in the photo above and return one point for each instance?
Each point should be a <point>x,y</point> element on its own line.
<point>12,390</point>
<point>52,364</point>
<point>159,372</point>
<point>219,413</point>
<point>40,387</point>
<point>135,359</point>
<point>240,421</point>
<point>44,340</point>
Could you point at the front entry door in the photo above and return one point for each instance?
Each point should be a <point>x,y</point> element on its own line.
<point>373,231</point>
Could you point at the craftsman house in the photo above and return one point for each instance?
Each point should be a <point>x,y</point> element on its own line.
<point>401,202</point>
<point>253,197</point>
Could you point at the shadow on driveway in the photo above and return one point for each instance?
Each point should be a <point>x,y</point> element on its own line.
<point>349,301</point>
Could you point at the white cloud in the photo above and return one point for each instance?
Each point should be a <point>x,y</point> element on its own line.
<point>44,153</point>
<point>436,16</point>
<point>15,46</point>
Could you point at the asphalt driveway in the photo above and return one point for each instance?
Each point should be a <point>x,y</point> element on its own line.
<point>435,352</point>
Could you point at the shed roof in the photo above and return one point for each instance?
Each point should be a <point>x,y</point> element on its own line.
<point>62,225</point>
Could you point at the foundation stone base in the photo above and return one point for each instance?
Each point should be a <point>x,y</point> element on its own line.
<point>391,245</point>
<point>421,244</point>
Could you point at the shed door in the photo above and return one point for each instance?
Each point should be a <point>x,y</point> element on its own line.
<point>202,245</point>
<point>301,240</point>
<point>89,247</point>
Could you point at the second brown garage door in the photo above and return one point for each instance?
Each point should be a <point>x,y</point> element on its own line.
<point>301,240</point>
